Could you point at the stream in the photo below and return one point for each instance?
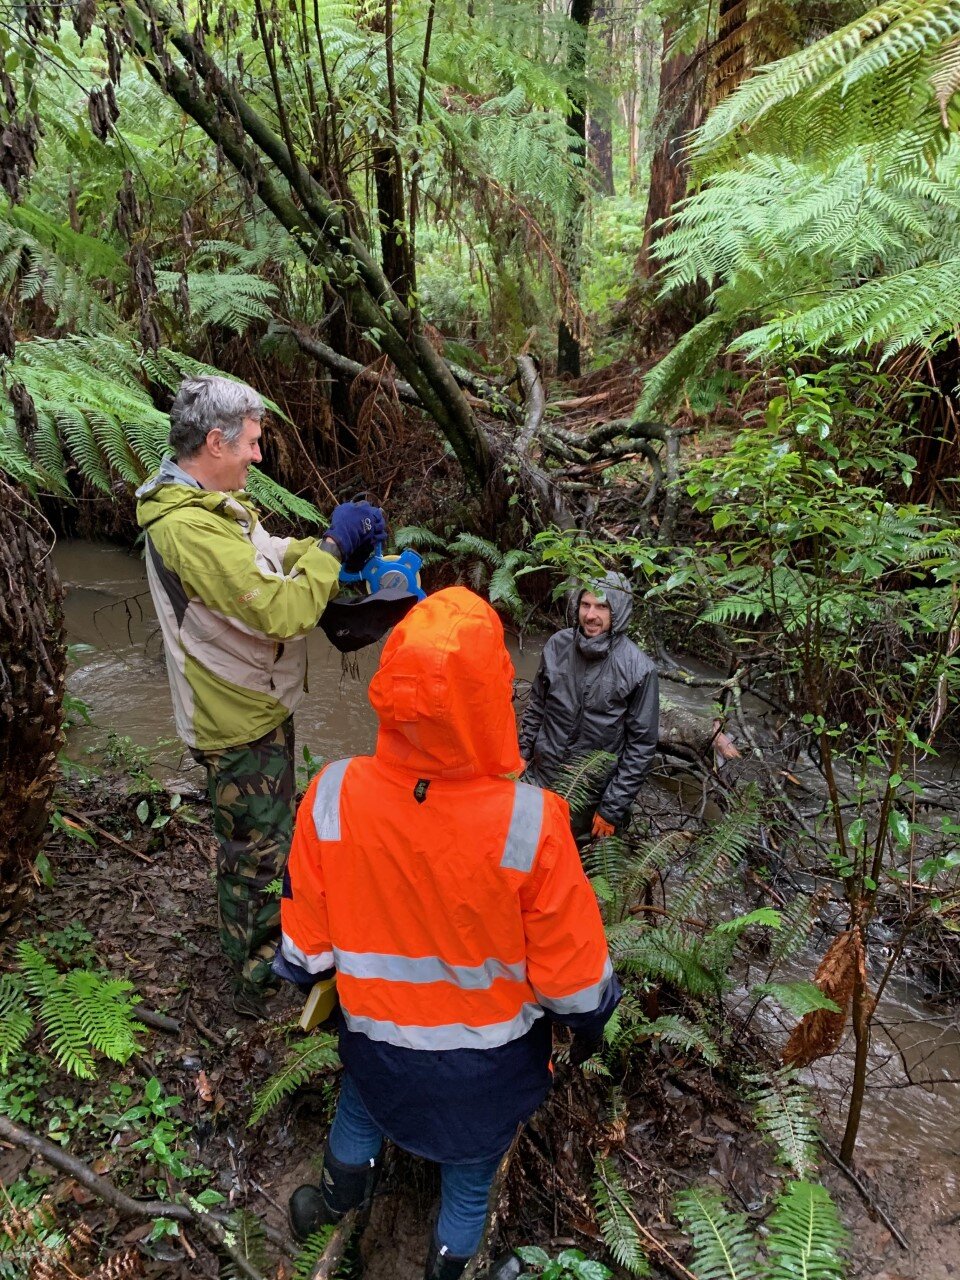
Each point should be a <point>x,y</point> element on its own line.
<point>122,679</point>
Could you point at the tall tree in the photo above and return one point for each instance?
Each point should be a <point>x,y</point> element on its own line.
<point>568,334</point>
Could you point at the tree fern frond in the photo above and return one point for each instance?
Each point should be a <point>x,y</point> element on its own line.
<point>314,1055</point>
<point>723,1248</point>
<point>274,497</point>
<point>611,1199</point>
<point>901,36</point>
<point>664,385</point>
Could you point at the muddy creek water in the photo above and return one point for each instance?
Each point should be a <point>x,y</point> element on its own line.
<point>122,679</point>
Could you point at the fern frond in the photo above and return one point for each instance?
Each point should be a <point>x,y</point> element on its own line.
<point>806,1235</point>
<point>784,1111</point>
<point>723,1248</point>
<point>419,538</point>
<point>315,1055</point>
<point>16,1020</point>
<point>250,1241</point>
<point>723,846</point>
<point>580,779</point>
<point>798,998</point>
<point>665,952</point>
<point>611,1200</point>
<point>664,385</point>
<point>797,921</point>
<point>274,497</point>
<point>684,1035</point>
<point>105,1011</point>
<point>470,544</point>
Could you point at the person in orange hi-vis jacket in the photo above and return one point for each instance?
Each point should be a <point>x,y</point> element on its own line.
<point>451,902</point>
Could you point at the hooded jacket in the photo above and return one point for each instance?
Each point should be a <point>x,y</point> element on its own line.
<point>234,605</point>
<point>596,693</point>
<point>449,898</point>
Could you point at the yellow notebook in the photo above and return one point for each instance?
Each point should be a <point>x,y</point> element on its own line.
<point>321,1002</point>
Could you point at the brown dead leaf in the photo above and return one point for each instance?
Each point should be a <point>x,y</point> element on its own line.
<point>202,1086</point>
<point>818,1034</point>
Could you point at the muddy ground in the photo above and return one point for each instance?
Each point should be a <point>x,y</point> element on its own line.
<point>146,896</point>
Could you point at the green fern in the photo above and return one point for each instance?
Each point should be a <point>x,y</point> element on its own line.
<point>315,1055</point>
<point>666,953</point>
<point>723,1246</point>
<point>722,847</point>
<point>81,1013</point>
<point>797,921</point>
<point>16,1019</point>
<point>798,998</point>
<point>580,780</point>
<point>806,1235</point>
<point>611,1201</point>
<point>785,1115</point>
<point>247,1232</point>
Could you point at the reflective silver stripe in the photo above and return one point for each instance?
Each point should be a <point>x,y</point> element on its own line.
<point>451,1035</point>
<point>326,801</point>
<point>313,964</point>
<point>523,834</point>
<point>583,1001</point>
<point>469,977</point>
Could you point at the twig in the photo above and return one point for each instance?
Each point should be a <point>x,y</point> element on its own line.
<point>866,1195</point>
<point>667,1259</point>
<point>329,1260</point>
<point>125,1205</point>
<point>204,1030</point>
<point>107,835</point>
<point>157,1020</point>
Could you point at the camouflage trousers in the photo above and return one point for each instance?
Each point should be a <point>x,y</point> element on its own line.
<point>251,788</point>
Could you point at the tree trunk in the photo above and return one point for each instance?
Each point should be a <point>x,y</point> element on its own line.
<point>679,111</point>
<point>600,140</point>
<point>568,334</point>
<point>32,663</point>
<point>599,124</point>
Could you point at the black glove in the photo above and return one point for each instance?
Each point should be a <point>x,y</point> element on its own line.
<point>584,1047</point>
<point>356,528</point>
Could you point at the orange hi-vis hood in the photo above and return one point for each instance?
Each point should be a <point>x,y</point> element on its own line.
<point>444,691</point>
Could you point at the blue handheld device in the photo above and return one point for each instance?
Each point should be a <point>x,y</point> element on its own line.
<point>398,572</point>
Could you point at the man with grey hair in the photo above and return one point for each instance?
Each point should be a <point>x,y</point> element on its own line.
<point>235,605</point>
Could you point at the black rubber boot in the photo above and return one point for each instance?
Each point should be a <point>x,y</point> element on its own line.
<point>442,1265</point>
<point>342,1187</point>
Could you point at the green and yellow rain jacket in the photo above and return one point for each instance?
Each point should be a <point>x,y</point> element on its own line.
<point>234,605</point>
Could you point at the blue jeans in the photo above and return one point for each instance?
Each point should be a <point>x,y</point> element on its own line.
<point>356,1138</point>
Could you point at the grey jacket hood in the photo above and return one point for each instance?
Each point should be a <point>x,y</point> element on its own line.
<point>615,590</point>
<point>594,693</point>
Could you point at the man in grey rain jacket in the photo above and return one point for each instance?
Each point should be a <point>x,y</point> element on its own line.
<point>595,690</point>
